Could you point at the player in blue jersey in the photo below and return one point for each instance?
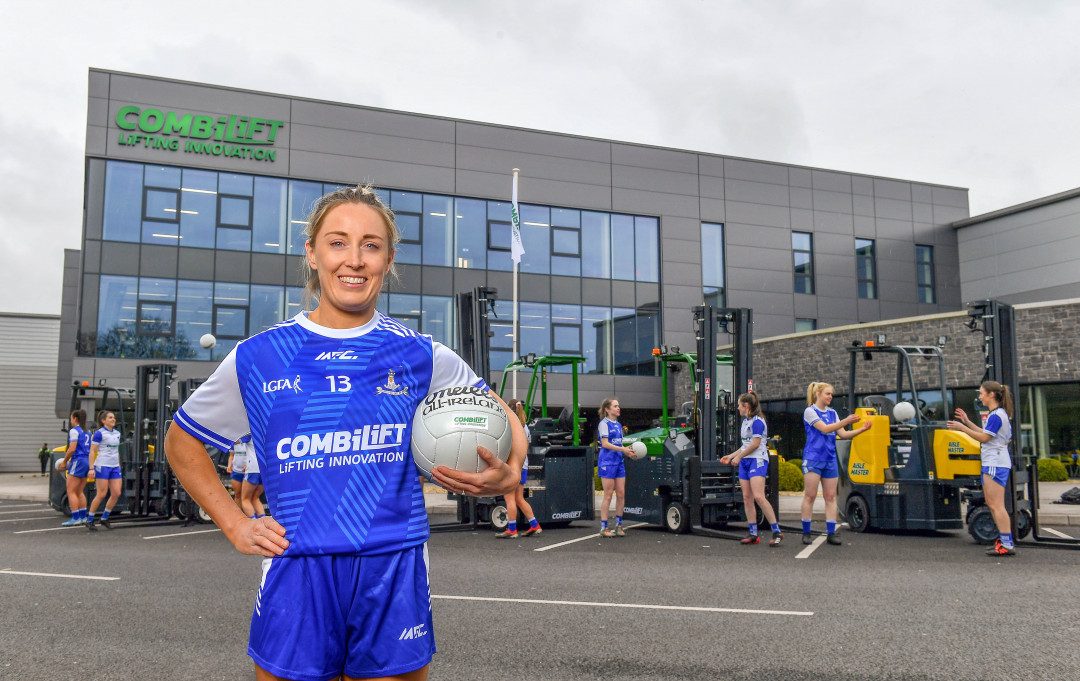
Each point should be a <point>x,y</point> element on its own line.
<point>516,501</point>
<point>995,436</point>
<point>108,479</point>
<point>823,426</point>
<point>753,462</point>
<point>235,466</point>
<point>610,465</point>
<point>329,397</point>
<point>77,464</point>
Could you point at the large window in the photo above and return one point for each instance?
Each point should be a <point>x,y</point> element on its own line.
<point>802,251</point>
<point>924,273</point>
<point>712,263</point>
<point>866,268</point>
<point>802,325</point>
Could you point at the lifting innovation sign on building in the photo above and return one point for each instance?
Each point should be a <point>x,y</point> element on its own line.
<point>235,136</point>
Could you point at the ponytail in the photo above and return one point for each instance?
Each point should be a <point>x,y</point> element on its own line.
<point>604,406</point>
<point>750,399</point>
<point>80,416</point>
<point>813,390</point>
<point>1001,393</point>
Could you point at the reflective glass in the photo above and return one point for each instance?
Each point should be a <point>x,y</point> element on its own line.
<point>565,217</point>
<point>230,310</point>
<point>471,233</point>
<point>294,296</point>
<point>408,225</point>
<point>622,247</point>
<point>266,308</point>
<point>302,198</point>
<point>502,327</point>
<point>234,239</point>
<point>800,241</point>
<point>596,245</point>
<point>802,325</point>
<point>438,236</point>
<point>198,208</point>
<point>162,176</point>
<point>235,212</point>
<point>565,241</point>
<point>534,238</point>
<point>123,201</point>
<point>437,319</point>
<point>648,337</point>
<point>647,249</point>
<point>194,310</point>
<point>118,299</point>
<point>624,340</point>
<point>566,266</point>
<point>566,333</point>
<point>596,339</point>
<point>161,205</point>
<point>233,183</point>
<point>407,201</point>
<point>271,201</point>
<point>712,255</point>
<point>534,321</point>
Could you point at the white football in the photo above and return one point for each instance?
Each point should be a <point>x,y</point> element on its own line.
<point>451,423</point>
<point>208,341</point>
<point>58,463</point>
<point>903,411</point>
<point>640,450</point>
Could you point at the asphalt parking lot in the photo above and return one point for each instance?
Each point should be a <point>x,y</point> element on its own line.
<point>158,600</point>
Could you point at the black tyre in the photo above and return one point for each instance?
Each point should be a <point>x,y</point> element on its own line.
<point>201,516</point>
<point>1023,524</point>
<point>500,519</point>
<point>677,518</point>
<point>65,505</point>
<point>858,514</point>
<point>981,525</point>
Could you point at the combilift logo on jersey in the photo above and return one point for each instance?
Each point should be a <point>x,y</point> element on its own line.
<point>337,354</point>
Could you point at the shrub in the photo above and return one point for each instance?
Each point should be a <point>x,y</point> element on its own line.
<point>797,463</point>
<point>1051,470</point>
<point>791,477</point>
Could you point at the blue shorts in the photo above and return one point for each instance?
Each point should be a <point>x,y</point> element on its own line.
<point>78,468</point>
<point>524,475</point>
<point>252,479</point>
<point>236,477</point>
<point>317,617</point>
<point>826,469</point>
<point>753,468</point>
<point>999,474</point>
<point>611,467</point>
<point>107,473</point>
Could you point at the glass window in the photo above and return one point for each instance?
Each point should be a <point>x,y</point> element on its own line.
<point>123,201</point>
<point>498,236</point>
<point>596,339</point>
<point>437,319</point>
<point>566,329</point>
<point>924,272</point>
<point>230,313</point>
<point>802,325</point>
<point>802,250</point>
<point>712,263</point>
<point>534,239</point>
<point>596,245</point>
<point>198,208</point>
<point>410,228</point>
<point>438,237</point>
<point>118,300</point>
<point>624,340</point>
<point>406,201</point>
<point>405,308</point>
<point>565,217</point>
<point>194,317</point>
<point>161,176</point>
<point>470,217</point>
<point>271,200</point>
<point>647,249</point>
<point>622,247</point>
<point>294,296</point>
<point>534,322</point>
<point>302,198</point>
<point>565,241</point>
<point>865,268</point>
<point>648,337</point>
<point>266,308</point>
<point>234,183</point>
<point>234,211</point>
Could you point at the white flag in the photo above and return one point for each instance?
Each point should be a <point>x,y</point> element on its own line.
<point>516,248</point>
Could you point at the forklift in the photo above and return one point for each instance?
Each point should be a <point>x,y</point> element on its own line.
<point>685,487</point>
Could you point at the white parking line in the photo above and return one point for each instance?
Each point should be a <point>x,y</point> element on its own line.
<point>5,571</point>
<point>588,536</point>
<point>805,553</point>
<point>52,529</point>
<point>638,606</point>
<point>22,506</point>
<point>181,534</point>
<point>32,510</point>
<point>1056,533</point>
<point>50,514</point>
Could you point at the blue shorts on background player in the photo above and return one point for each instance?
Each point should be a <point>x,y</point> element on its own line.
<point>108,478</point>
<point>344,588</point>
<point>995,436</point>
<point>753,462</point>
<point>77,464</point>
<point>611,466</point>
<point>516,502</point>
<point>823,426</point>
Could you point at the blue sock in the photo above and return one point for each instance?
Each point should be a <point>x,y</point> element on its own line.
<point>533,523</point>
<point>753,528</point>
<point>618,520</point>
<point>830,526</point>
<point>603,524</point>
<point>105,515</point>
<point>805,526</point>
<point>90,517</point>
<point>512,527</point>
<point>1007,541</point>
<point>775,527</point>
<point>82,514</point>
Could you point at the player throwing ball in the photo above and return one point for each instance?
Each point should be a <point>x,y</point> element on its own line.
<point>328,397</point>
<point>753,462</point>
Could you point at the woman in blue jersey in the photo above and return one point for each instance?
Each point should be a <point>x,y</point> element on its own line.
<point>753,462</point>
<point>610,465</point>
<point>516,501</point>
<point>235,467</point>
<point>823,426</point>
<point>77,464</point>
<point>328,397</point>
<point>995,436</point>
<point>105,454</point>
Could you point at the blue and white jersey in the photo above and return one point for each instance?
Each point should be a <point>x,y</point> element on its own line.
<point>996,451</point>
<point>240,455</point>
<point>613,432</point>
<point>751,428</point>
<point>108,447</point>
<point>330,414</point>
<point>81,438</point>
<point>246,450</point>
<point>819,446</point>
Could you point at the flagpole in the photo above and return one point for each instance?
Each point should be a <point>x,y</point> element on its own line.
<point>516,228</point>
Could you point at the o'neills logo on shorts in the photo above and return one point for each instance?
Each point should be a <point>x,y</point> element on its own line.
<point>477,421</point>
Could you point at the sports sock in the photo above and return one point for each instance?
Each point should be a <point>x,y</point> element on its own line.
<point>533,523</point>
<point>753,528</point>
<point>105,515</point>
<point>805,526</point>
<point>90,517</point>
<point>618,520</point>
<point>1007,541</point>
<point>603,525</point>
<point>82,514</point>
<point>512,527</point>
<point>830,526</point>
<point>775,527</point>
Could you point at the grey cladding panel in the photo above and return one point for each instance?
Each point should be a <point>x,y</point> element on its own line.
<point>535,190</point>
<point>268,268</point>
<point>536,287</point>
<point>763,303</point>
<point>863,205</point>
<point>595,292</point>
<point>654,159</point>
<point>687,229</point>
<point>863,186</point>
<point>758,214</point>
<point>198,99</point>
<point>922,212</point>
<point>765,258</point>
<point>836,223</point>
<point>663,181</point>
<point>801,177</point>
<point>711,187</point>
<point>801,198</point>
<point>158,261</point>
<point>712,166</point>
<point>945,196</point>
<point>97,112</point>
<point>893,209</point>
<point>532,166</point>
<point>891,189</point>
<point>98,85</point>
<point>439,281</point>
<point>120,258</point>
<point>759,280</point>
<point>232,266</point>
<point>757,192</point>
<point>834,243</point>
<point>409,279</point>
<point>895,229</point>
<point>381,173</point>
<point>388,123</point>
<point>833,182</point>
<point>364,145</point>
<point>833,202</point>
<point>922,193</point>
<point>466,280</point>
<point>713,210</point>
<point>195,263</point>
<point>494,137</point>
<point>763,237</point>
<point>946,214</point>
<point>679,252</point>
<point>641,202</point>
<point>754,171</point>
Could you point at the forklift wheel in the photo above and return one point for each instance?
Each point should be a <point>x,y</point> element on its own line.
<point>858,514</point>
<point>65,505</point>
<point>500,519</point>
<point>981,525</point>
<point>677,518</point>
<point>1023,524</point>
<point>201,516</point>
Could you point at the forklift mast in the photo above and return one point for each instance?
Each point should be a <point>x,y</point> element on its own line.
<point>474,329</point>
<point>709,322</point>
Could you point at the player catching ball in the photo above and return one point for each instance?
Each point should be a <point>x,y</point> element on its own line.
<point>329,397</point>
<point>753,462</point>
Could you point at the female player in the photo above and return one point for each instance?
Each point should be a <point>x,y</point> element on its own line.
<point>77,464</point>
<point>753,461</point>
<point>345,591</point>
<point>996,462</point>
<point>823,426</point>
<point>235,466</point>
<point>517,499</point>
<point>610,465</point>
<point>108,479</point>
<point>252,489</point>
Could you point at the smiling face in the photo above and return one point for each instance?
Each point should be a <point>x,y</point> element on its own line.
<point>109,421</point>
<point>987,398</point>
<point>824,398</point>
<point>351,254</point>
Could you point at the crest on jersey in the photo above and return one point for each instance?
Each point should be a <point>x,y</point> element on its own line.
<point>392,387</point>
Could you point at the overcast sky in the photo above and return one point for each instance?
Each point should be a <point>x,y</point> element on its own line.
<point>982,95</point>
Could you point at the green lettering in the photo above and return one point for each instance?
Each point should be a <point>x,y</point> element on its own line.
<point>151,120</point>
<point>122,115</point>
<point>202,127</point>
<point>274,125</point>
<point>173,125</point>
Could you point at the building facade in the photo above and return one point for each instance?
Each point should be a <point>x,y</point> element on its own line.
<point>196,197</point>
<point>28,350</point>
